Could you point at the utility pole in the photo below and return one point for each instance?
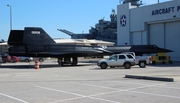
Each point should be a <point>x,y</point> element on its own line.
<point>10,17</point>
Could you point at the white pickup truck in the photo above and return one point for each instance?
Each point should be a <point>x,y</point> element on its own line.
<point>116,60</point>
<point>142,61</point>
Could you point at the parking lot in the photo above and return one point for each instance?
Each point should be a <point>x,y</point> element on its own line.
<point>86,83</point>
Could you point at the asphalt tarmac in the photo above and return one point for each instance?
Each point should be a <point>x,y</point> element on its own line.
<point>87,83</point>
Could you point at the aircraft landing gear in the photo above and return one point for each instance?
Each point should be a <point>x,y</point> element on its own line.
<point>74,61</point>
<point>60,62</point>
<point>68,60</point>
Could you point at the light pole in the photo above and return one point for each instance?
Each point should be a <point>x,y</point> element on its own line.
<point>10,17</point>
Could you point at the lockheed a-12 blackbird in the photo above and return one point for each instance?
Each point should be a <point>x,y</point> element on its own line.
<point>35,42</point>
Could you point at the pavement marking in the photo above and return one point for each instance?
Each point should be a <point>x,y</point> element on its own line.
<point>66,100</point>
<point>104,100</point>
<point>116,91</point>
<point>85,97</point>
<point>13,98</point>
<point>163,83</point>
<point>116,88</point>
<point>94,86</point>
<point>105,93</point>
<point>154,94</point>
<point>130,90</point>
<point>144,86</point>
<point>139,87</point>
<point>127,83</point>
<point>81,96</point>
<point>59,91</point>
<point>170,87</point>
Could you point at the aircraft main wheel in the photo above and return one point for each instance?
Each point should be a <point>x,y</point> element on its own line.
<point>142,64</point>
<point>153,62</point>
<point>163,62</point>
<point>127,65</point>
<point>73,64</point>
<point>103,65</point>
<point>60,63</point>
<point>170,62</point>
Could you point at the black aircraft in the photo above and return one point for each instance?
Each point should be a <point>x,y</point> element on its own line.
<point>35,42</point>
<point>138,49</point>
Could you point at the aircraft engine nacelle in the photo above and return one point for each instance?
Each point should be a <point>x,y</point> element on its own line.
<point>35,48</point>
<point>17,49</point>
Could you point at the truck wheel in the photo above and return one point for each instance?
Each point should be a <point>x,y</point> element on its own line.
<point>127,65</point>
<point>142,64</point>
<point>103,65</point>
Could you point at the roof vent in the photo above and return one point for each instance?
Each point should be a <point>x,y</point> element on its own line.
<point>133,2</point>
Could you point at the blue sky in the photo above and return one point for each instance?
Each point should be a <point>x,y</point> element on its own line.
<point>73,15</point>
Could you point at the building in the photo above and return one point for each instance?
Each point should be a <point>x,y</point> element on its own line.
<point>3,48</point>
<point>157,24</point>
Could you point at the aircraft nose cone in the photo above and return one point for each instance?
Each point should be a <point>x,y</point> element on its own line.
<point>164,50</point>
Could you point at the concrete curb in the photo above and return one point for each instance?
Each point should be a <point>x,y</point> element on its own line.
<point>150,78</point>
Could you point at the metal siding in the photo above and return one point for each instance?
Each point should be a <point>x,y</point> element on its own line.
<point>3,49</point>
<point>123,34</point>
<point>172,41</point>
<point>139,38</point>
<point>156,34</point>
<point>144,38</point>
<point>143,14</point>
<point>136,38</point>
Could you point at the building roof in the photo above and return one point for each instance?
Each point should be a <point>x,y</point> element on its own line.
<point>4,43</point>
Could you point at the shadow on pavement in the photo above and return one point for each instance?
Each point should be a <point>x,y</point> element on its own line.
<point>27,66</point>
<point>174,64</point>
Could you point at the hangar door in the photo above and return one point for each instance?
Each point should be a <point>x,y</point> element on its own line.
<point>138,38</point>
<point>172,41</point>
<point>166,35</point>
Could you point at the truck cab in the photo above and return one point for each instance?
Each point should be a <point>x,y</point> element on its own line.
<point>142,61</point>
<point>161,58</point>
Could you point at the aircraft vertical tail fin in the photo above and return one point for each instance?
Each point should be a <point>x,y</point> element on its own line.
<point>31,36</point>
<point>16,37</point>
<point>36,36</point>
